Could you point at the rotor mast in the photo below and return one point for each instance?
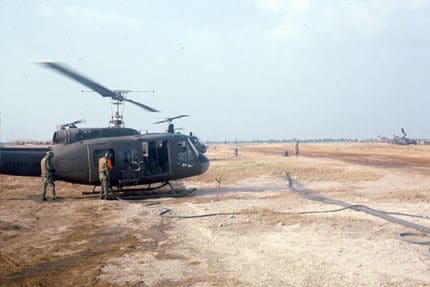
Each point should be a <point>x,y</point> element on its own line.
<point>117,118</point>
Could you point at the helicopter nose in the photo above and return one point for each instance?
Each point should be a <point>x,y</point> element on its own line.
<point>204,162</point>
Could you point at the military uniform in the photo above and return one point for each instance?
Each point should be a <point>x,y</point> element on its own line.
<point>47,171</point>
<point>104,167</point>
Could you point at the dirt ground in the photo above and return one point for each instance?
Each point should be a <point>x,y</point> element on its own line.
<point>80,240</point>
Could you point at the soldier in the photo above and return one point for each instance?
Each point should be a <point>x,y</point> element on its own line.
<point>296,147</point>
<point>236,152</point>
<point>105,165</point>
<point>47,175</point>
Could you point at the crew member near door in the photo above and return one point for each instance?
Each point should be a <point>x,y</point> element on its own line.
<point>105,166</point>
<point>47,172</point>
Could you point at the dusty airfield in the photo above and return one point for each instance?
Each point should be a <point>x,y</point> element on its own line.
<point>82,241</point>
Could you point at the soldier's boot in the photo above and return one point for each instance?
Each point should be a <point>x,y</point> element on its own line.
<point>43,195</point>
<point>54,197</point>
<point>102,195</point>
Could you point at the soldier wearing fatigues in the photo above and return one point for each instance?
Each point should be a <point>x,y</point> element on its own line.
<point>296,147</point>
<point>105,165</point>
<point>47,171</point>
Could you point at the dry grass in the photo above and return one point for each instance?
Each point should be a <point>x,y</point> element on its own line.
<point>267,160</point>
<point>403,196</point>
<point>371,152</point>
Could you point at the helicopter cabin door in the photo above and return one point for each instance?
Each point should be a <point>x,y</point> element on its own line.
<point>155,158</point>
<point>94,152</point>
<point>129,164</point>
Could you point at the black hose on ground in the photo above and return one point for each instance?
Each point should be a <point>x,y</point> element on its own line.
<point>167,210</point>
<point>424,231</point>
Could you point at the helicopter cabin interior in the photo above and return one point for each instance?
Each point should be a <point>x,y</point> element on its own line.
<point>155,157</point>
<point>149,158</point>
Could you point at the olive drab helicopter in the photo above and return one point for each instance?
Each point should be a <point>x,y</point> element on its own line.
<point>138,159</point>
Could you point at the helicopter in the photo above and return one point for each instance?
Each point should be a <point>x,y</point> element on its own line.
<point>194,139</point>
<point>403,140</point>
<point>138,159</point>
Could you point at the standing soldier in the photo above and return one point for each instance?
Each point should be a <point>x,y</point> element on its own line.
<point>47,175</point>
<point>105,165</point>
<point>296,147</point>
<point>236,152</point>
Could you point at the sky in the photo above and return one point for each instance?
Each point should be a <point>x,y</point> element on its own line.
<point>243,70</point>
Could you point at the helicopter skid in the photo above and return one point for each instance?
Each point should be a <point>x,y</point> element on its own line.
<point>139,194</point>
<point>146,192</point>
<point>149,187</point>
<point>141,189</point>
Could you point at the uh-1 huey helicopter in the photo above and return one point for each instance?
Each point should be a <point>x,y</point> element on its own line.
<point>138,159</point>
<point>201,147</point>
<point>403,140</point>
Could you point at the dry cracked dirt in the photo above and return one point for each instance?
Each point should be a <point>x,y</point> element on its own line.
<point>256,235</point>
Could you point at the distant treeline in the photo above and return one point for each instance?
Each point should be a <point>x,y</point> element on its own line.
<point>294,140</point>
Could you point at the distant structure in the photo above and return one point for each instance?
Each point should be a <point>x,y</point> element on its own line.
<point>30,142</point>
<point>403,140</point>
<point>399,140</point>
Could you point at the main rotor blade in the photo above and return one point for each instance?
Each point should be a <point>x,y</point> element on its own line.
<point>163,121</point>
<point>177,117</point>
<point>61,68</point>
<point>148,108</point>
<point>103,91</point>
<point>168,120</point>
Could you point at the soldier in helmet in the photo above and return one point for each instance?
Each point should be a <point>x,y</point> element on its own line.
<point>47,175</point>
<point>105,165</point>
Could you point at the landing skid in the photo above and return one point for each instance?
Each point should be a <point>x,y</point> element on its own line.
<point>152,195</point>
<point>148,188</point>
<point>140,189</point>
<point>92,192</point>
<point>147,192</point>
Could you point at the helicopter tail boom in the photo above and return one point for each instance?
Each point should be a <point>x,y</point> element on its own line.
<point>23,161</point>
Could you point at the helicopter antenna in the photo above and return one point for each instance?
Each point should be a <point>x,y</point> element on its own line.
<point>118,96</point>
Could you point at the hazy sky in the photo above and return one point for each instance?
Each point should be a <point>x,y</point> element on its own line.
<point>243,69</point>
